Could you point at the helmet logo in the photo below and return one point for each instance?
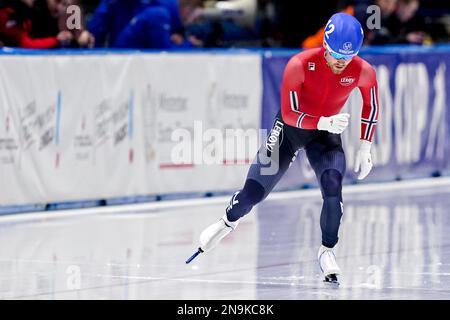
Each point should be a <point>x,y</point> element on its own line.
<point>347,46</point>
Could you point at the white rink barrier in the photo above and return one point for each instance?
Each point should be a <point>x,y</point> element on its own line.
<point>100,126</point>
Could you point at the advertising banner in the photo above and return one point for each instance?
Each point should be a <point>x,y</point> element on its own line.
<point>81,127</point>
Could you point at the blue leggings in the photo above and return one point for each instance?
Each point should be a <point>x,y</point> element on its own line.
<point>326,156</point>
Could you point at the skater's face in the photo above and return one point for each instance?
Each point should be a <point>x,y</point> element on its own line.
<point>337,66</point>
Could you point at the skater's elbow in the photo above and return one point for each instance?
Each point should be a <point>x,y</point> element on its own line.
<point>288,117</point>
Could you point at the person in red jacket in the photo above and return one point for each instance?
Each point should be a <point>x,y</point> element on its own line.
<point>50,17</point>
<point>316,84</point>
<point>16,26</point>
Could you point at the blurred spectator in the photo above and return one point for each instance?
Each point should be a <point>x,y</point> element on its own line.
<point>16,27</point>
<point>437,17</point>
<point>232,22</point>
<point>49,17</point>
<point>267,23</point>
<point>381,35</point>
<point>224,23</point>
<point>139,24</point>
<point>387,7</point>
<point>403,26</point>
<point>220,23</point>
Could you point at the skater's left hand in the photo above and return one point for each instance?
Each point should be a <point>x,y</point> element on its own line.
<point>363,159</point>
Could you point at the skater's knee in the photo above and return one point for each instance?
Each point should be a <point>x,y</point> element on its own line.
<point>253,192</point>
<point>331,183</point>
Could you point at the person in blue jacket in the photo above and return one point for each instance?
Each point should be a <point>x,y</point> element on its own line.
<point>138,24</point>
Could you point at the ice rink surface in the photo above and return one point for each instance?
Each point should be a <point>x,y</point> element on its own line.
<point>394,244</point>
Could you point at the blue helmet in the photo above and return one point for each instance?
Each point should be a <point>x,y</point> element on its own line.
<point>343,36</point>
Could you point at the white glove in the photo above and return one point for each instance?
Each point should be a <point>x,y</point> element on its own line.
<point>363,159</point>
<point>334,124</point>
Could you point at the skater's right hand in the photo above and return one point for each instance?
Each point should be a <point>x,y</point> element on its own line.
<point>334,124</point>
